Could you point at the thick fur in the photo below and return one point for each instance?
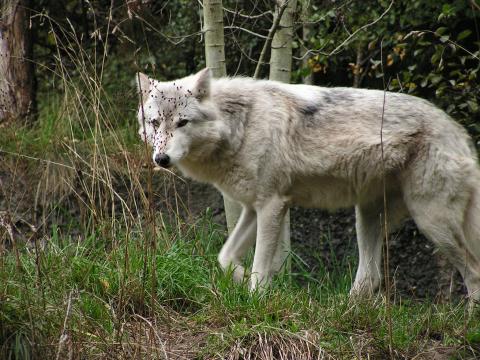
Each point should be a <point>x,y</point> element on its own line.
<point>270,145</point>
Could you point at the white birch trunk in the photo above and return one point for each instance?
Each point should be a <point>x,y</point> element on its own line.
<point>281,70</point>
<point>215,57</point>
<point>281,52</point>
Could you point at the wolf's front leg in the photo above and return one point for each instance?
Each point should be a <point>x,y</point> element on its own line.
<point>269,223</point>
<point>238,243</point>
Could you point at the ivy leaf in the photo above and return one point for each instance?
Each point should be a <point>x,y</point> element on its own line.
<point>464,34</point>
<point>435,79</point>
<point>472,105</point>
<point>441,30</point>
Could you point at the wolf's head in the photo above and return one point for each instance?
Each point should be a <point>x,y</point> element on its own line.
<point>178,119</point>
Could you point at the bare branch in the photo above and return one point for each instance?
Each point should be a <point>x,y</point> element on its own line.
<point>422,32</point>
<point>173,39</point>
<point>246,30</point>
<point>475,4</point>
<point>348,39</point>
<point>251,17</point>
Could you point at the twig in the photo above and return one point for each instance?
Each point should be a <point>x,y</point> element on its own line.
<point>251,17</point>
<point>246,30</point>
<point>421,32</point>
<point>155,332</point>
<point>349,38</point>
<point>268,42</point>
<point>64,336</point>
<point>38,159</point>
<point>385,217</point>
<point>474,4</point>
<point>170,38</point>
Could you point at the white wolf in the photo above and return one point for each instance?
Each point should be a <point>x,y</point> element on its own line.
<point>269,145</point>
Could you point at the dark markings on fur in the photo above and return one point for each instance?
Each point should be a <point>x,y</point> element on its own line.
<point>307,109</point>
<point>233,107</point>
<point>336,97</point>
<point>328,99</point>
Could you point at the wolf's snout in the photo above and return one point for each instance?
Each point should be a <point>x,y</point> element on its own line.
<point>163,160</point>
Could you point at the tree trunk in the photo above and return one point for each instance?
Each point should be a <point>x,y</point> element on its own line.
<point>17,96</point>
<point>281,53</point>
<point>215,57</point>
<point>307,31</point>
<point>214,41</point>
<point>281,70</point>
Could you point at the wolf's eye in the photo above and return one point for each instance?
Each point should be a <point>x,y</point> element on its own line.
<point>182,123</point>
<point>155,123</point>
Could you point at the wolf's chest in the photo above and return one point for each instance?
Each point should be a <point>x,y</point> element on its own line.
<point>240,191</point>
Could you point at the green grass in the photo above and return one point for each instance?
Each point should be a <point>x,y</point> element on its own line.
<point>94,300</point>
<point>62,128</point>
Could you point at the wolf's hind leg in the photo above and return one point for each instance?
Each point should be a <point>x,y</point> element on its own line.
<point>238,243</point>
<point>370,234</point>
<point>451,221</point>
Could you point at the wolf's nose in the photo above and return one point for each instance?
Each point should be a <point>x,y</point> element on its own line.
<point>163,160</point>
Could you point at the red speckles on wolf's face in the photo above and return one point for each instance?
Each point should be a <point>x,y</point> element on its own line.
<point>166,109</point>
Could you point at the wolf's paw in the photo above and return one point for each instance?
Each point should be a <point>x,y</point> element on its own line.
<point>230,266</point>
<point>259,283</point>
<point>238,273</point>
<point>365,288</point>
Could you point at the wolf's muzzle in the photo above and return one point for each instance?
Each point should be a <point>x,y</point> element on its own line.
<point>162,160</point>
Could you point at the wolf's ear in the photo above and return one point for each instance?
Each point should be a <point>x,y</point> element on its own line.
<point>143,85</point>
<point>201,86</point>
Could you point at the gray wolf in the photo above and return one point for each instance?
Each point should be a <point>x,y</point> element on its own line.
<point>270,145</point>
